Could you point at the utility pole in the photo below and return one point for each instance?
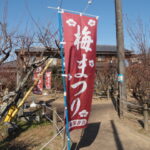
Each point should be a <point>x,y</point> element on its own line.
<point>121,58</point>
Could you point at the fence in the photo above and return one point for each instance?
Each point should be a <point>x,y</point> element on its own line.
<point>134,110</point>
<point>44,110</point>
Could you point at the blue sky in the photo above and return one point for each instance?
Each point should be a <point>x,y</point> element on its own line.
<point>18,15</point>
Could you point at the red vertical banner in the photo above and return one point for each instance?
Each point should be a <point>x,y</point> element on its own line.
<point>80,59</point>
<point>48,78</point>
<point>39,87</point>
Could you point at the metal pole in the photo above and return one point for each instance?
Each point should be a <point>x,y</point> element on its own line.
<point>64,84</point>
<point>121,57</point>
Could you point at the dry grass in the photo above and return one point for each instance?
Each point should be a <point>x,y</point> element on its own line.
<point>32,137</point>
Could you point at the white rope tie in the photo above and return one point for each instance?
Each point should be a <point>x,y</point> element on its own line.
<point>52,139</point>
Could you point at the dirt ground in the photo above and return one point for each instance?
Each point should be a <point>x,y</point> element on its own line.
<point>33,138</point>
<point>105,131</point>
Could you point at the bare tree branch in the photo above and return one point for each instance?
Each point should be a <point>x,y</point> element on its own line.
<point>138,73</point>
<point>6,42</point>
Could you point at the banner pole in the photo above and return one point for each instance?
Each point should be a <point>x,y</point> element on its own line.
<point>77,12</point>
<point>64,82</point>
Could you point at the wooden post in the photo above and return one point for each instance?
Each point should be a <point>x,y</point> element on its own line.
<point>121,56</point>
<point>108,94</point>
<point>54,120</point>
<point>145,112</point>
